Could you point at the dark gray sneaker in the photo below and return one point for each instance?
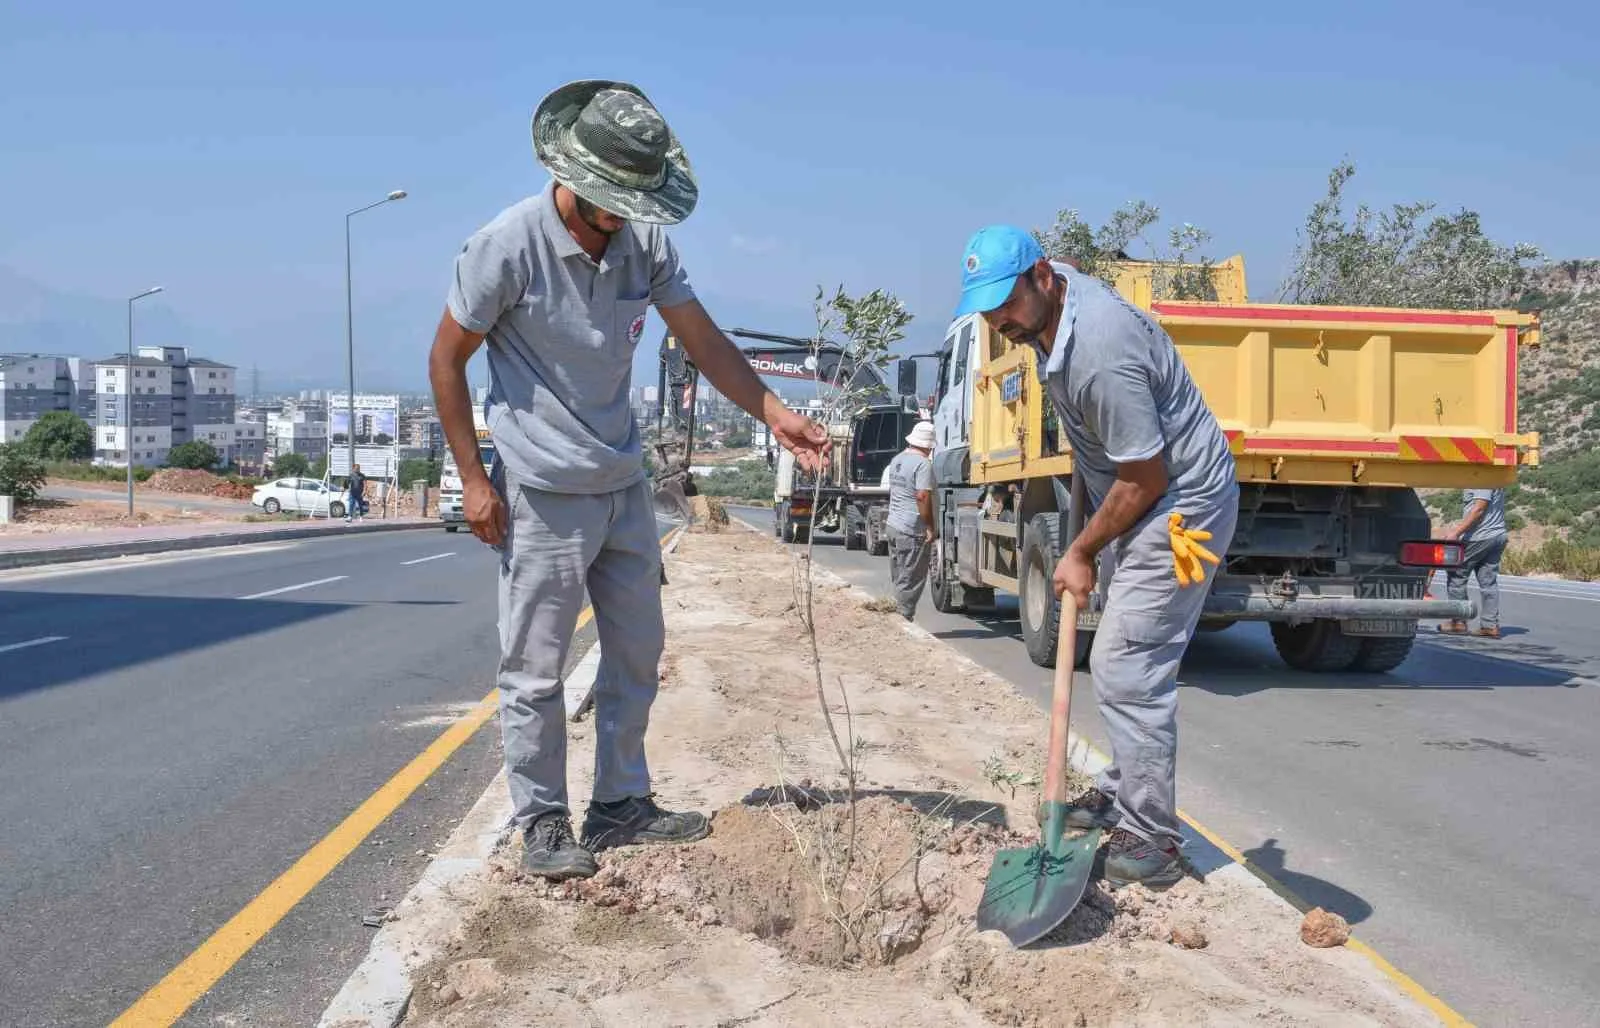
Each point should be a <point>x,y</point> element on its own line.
<point>549,850</point>
<point>1155,865</point>
<point>637,820</point>
<point>1089,809</point>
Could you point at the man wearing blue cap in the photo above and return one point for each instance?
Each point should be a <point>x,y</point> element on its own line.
<point>1153,458</point>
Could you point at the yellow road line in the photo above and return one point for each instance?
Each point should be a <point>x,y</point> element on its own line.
<point>168,999</point>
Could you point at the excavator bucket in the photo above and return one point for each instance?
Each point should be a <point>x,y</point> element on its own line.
<point>670,500</point>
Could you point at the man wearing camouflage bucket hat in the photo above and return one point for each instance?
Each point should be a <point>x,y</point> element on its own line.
<point>558,285</point>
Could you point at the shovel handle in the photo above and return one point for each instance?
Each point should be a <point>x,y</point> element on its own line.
<point>1055,773</point>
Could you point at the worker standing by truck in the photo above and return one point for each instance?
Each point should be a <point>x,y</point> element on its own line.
<point>1160,482</point>
<point>1483,528</point>
<point>909,520</point>
<point>559,285</point>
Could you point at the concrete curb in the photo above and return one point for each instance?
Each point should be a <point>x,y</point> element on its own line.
<point>139,547</point>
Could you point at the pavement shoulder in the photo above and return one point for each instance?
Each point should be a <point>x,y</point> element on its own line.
<point>35,554</point>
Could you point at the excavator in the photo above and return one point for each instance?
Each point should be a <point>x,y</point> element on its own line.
<point>874,436</point>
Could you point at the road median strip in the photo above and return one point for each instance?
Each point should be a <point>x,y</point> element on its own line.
<point>736,731</point>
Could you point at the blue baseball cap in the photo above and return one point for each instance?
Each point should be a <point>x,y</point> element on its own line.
<point>995,256</point>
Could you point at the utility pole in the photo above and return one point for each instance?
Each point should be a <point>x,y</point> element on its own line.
<point>349,333</point>
<point>127,396</point>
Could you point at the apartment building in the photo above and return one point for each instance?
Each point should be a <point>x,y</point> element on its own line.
<point>173,398</point>
<point>300,427</point>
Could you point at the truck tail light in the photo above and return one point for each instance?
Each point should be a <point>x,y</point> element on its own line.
<point>1432,553</point>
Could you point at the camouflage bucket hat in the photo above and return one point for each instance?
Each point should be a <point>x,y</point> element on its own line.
<point>608,144</point>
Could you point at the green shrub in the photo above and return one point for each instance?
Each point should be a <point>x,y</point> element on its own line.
<point>21,473</point>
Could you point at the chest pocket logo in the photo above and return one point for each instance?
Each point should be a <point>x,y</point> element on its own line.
<point>635,330</point>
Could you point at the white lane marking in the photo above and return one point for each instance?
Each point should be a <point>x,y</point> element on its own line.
<point>292,588</point>
<point>424,560</point>
<point>32,642</point>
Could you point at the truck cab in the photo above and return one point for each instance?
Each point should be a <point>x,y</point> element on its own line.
<point>452,514</point>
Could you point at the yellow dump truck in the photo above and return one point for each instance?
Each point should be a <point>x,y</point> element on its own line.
<point>1335,416</point>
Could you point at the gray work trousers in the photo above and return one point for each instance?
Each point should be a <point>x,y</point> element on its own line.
<point>1144,631</point>
<point>908,569</point>
<point>559,545</point>
<point>1482,558</point>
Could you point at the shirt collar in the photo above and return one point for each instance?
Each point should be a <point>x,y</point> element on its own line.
<point>1050,364</point>
<point>618,250</point>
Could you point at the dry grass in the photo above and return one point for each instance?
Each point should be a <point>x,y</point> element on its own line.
<point>1554,557</point>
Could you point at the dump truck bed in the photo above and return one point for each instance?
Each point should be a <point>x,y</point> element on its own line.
<point>1307,395</point>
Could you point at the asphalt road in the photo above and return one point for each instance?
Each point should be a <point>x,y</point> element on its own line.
<point>174,734</point>
<point>1447,809</point>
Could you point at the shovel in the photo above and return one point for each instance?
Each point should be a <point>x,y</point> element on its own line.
<point>1031,891</point>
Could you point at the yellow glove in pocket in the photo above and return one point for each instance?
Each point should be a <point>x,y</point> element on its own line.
<point>1187,553</point>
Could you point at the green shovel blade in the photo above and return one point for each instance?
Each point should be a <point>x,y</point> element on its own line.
<point>1031,891</point>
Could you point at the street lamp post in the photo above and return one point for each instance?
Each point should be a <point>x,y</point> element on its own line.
<point>127,397</point>
<point>349,334</point>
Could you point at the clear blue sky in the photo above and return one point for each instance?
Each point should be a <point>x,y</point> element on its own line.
<point>214,148</point>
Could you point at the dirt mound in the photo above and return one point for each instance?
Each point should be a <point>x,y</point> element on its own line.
<point>181,480</point>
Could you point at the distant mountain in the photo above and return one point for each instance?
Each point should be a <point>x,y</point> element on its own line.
<point>35,318</point>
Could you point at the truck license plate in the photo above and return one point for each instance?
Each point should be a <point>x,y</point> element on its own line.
<point>1379,627</point>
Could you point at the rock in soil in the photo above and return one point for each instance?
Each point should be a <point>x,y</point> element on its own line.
<point>1189,935</point>
<point>1323,929</point>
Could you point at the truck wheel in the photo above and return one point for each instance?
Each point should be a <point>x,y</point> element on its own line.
<point>1036,600</point>
<point>1036,597</point>
<point>855,533</point>
<point>777,522</point>
<point>452,528</point>
<point>946,593</point>
<point>1377,655</point>
<point>800,533</point>
<point>877,542</point>
<point>785,525</point>
<point>1319,646</point>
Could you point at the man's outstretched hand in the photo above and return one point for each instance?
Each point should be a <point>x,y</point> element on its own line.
<point>807,438</point>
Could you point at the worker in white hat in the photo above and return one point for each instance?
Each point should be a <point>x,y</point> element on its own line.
<point>910,521</point>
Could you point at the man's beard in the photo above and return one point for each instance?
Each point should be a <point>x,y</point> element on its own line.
<point>590,214</point>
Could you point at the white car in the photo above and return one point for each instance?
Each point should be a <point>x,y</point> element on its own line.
<point>300,496</point>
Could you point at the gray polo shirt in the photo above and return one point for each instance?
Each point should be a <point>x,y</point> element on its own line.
<point>561,330</point>
<point>1493,522</point>
<point>909,473</point>
<point>1124,395</point>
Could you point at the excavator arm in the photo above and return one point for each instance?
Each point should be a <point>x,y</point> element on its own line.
<point>779,356</point>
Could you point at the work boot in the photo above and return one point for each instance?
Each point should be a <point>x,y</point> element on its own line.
<point>1089,809</point>
<point>1454,628</point>
<point>549,850</point>
<point>1128,858</point>
<point>637,820</point>
<point>1489,631</point>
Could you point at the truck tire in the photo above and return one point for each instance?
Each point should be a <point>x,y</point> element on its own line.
<point>1037,603</point>
<point>1379,655</point>
<point>947,595</point>
<point>854,538</point>
<point>786,530</point>
<point>1319,646</point>
<point>452,528</point>
<point>877,542</point>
